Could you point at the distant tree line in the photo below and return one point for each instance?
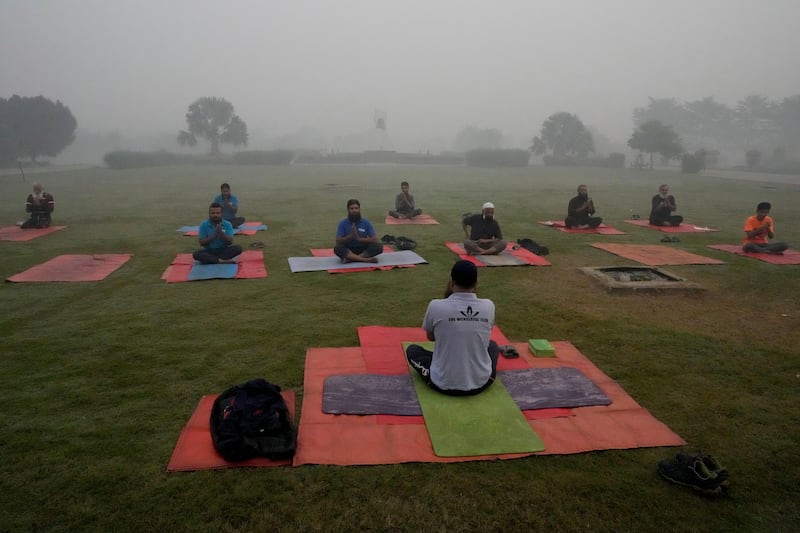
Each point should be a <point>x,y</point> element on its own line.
<point>31,127</point>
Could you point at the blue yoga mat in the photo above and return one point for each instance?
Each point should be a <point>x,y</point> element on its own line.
<point>216,271</point>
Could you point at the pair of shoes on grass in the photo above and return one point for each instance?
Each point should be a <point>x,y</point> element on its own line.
<point>700,471</point>
<point>388,239</point>
<point>670,239</point>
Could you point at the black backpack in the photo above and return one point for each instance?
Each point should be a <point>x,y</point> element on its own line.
<point>404,243</point>
<point>533,246</point>
<point>250,420</point>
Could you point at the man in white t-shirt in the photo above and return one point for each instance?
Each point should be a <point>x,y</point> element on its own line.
<point>464,360</point>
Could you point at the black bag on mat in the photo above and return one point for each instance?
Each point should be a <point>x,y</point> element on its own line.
<point>533,246</point>
<point>252,420</point>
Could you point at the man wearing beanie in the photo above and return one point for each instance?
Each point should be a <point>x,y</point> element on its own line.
<point>484,236</point>
<point>464,360</point>
<point>758,229</point>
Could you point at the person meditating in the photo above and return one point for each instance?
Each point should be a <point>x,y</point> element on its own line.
<point>356,240</point>
<point>216,238</point>
<point>463,361</point>
<point>580,209</point>
<point>404,204</point>
<point>39,204</point>
<point>661,208</point>
<point>758,229</point>
<point>484,236</point>
<point>230,205</point>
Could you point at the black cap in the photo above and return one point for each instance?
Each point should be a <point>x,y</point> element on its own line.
<point>464,274</point>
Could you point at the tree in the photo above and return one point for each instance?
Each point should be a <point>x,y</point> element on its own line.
<point>471,138</point>
<point>34,126</point>
<point>787,118</point>
<point>653,137</point>
<point>565,135</point>
<point>213,119</point>
<point>755,114</point>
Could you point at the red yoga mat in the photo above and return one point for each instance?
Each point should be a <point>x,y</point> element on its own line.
<point>195,449</point>
<point>15,233</point>
<point>683,228</point>
<point>419,219</point>
<point>250,266</point>
<point>74,268</point>
<point>788,257</point>
<point>529,257</point>
<point>602,229</point>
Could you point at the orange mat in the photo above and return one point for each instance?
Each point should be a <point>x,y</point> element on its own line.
<point>602,229</point>
<point>364,440</point>
<point>683,228</point>
<point>15,233</point>
<point>250,266</point>
<point>73,268</point>
<point>655,255</point>
<point>526,255</point>
<point>419,219</point>
<point>195,449</point>
<point>788,257</point>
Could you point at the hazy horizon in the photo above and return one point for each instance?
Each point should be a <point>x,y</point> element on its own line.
<point>432,67</point>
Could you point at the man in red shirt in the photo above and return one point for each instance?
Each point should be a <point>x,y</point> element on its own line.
<point>758,229</point>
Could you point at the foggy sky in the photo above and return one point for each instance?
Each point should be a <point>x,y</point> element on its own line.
<point>433,66</point>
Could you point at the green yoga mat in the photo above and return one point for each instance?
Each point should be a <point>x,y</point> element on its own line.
<point>488,423</point>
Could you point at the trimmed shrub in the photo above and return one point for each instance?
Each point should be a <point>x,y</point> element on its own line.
<point>692,163</point>
<point>497,158</point>
<point>264,157</point>
<point>753,158</point>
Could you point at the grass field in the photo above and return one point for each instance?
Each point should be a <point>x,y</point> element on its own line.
<point>97,379</point>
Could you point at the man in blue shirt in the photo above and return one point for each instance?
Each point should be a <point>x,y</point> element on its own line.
<point>216,239</point>
<point>230,205</point>
<point>356,240</point>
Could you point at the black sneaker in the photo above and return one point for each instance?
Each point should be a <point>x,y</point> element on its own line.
<point>712,464</point>
<point>692,472</point>
<point>387,239</point>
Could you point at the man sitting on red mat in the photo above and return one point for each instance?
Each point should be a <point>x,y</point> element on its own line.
<point>580,209</point>
<point>404,204</point>
<point>216,238</point>
<point>661,208</point>
<point>484,236</point>
<point>463,361</point>
<point>758,229</point>
<point>39,204</point>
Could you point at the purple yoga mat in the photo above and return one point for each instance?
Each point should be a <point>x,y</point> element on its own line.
<point>531,388</point>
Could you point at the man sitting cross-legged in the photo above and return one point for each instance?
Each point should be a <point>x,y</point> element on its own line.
<point>758,229</point>
<point>661,208</point>
<point>580,211</point>
<point>216,238</point>
<point>463,361</point>
<point>484,236</point>
<point>356,240</point>
<point>404,204</point>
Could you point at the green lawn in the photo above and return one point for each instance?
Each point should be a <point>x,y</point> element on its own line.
<point>97,379</point>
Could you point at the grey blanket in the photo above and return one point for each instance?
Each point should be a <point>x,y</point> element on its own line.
<point>310,264</point>
<point>532,388</point>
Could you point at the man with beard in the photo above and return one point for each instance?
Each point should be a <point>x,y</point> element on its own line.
<point>39,204</point>
<point>216,239</point>
<point>463,361</point>
<point>580,209</point>
<point>661,207</point>
<point>230,205</point>
<point>758,229</point>
<point>404,204</point>
<point>484,236</point>
<point>356,240</point>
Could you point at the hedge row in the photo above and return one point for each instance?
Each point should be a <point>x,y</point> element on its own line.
<point>614,160</point>
<point>498,158</point>
<point>121,159</point>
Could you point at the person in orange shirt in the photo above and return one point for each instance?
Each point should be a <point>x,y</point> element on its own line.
<point>758,230</point>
